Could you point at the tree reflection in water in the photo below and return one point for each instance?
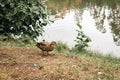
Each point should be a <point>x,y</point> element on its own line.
<point>114,21</point>
<point>101,10</point>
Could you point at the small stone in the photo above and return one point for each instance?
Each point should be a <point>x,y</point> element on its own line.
<point>99,73</point>
<point>34,65</point>
<point>16,68</point>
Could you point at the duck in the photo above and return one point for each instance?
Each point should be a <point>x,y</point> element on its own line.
<point>46,46</point>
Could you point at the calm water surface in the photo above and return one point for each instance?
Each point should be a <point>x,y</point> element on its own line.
<point>104,37</point>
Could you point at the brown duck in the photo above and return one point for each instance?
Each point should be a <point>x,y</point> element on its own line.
<point>46,46</point>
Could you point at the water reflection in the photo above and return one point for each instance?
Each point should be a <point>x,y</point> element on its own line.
<point>114,21</point>
<point>112,14</point>
<point>101,10</point>
<point>100,19</point>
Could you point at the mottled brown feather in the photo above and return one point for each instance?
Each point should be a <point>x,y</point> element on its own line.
<point>45,46</point>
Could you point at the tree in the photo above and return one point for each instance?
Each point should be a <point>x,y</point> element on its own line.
<point>22,18</point>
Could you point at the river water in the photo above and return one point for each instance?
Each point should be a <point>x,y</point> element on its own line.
<point>64,29</point>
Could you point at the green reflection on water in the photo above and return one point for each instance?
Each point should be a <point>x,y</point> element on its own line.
<point>100,10</point>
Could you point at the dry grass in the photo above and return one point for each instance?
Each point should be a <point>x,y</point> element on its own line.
<point>29,64</point>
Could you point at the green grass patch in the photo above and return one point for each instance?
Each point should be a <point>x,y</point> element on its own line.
<point>16,43</point>
<point>62,47</point>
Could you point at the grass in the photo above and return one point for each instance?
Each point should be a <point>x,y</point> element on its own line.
<point>27,63</point>
<point>16,43</point>
<point>62,47</point>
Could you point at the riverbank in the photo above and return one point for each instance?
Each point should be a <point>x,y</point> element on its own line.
<point>27,63</point>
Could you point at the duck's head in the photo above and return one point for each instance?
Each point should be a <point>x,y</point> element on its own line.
<point>53,43</point>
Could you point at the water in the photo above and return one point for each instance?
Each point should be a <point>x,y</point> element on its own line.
<point>105,38</point>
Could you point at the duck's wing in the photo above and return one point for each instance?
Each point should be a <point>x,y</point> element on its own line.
<point>44,43</point>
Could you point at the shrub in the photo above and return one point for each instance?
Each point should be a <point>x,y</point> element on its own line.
<point>82,40</point>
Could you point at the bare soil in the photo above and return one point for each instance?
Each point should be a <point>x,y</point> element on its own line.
<point>30,64</point>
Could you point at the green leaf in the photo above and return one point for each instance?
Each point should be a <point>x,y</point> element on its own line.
<point>2,5</point>
<point>20,15</point>
<point>80,27</point>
